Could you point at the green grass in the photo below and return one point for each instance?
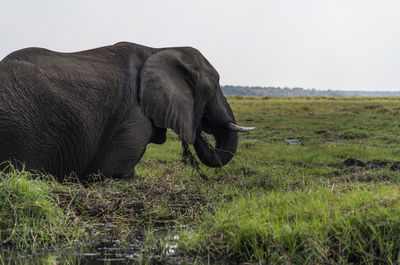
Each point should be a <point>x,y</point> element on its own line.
<point>29,216</point>
<point>297,204</point>
<point>275,202</point>
<point>317,225</point>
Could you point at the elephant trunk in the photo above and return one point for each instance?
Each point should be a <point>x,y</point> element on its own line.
<point>226,142</point>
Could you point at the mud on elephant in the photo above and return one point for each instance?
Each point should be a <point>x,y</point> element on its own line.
<point>96,110</point>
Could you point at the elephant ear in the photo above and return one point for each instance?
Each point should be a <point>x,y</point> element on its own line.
<point>166,92</point>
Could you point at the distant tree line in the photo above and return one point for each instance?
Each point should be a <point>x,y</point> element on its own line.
<point>299,92</point>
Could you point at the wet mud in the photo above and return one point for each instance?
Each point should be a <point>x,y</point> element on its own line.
<point>373,164</point>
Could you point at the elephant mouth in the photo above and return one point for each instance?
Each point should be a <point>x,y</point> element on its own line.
<point>226,142</point>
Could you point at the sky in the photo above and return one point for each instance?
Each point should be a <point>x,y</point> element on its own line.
<point>321,44</point>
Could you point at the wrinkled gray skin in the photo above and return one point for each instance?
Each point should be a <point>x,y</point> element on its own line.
<point>96,110</point>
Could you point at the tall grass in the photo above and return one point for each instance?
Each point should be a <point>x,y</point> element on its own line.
<point>29,216</point>
<point>314,226</point>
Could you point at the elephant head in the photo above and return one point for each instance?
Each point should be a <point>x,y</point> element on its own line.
<point>179,89</point>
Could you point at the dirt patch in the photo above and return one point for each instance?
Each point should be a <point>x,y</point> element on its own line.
<point>321,132</point>
<point>305,107</point>
<point>248,145</point>
<point>373,106</point>
<point>353,134</point>
<point>373,164</point>
<point>162,200</point>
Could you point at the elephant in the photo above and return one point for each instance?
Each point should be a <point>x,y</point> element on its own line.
<point>95,111</point>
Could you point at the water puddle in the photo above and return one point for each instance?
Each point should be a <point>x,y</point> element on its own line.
<point>292,141</point>
<point>333,142</point>
<point>157,246</point>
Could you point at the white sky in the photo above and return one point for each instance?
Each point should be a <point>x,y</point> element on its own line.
<point>322,44</point>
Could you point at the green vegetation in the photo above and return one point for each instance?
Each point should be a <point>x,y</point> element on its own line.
<point>331,197</point>
<point>317,225</point>
<point>29,216</point>
<point>316,182</point>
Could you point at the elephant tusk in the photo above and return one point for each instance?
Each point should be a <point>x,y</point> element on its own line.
<point>238,128</point>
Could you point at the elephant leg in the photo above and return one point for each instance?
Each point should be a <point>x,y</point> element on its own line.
<point>126,149</point>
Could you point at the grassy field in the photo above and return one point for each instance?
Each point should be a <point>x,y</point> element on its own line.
<point>316,182</point>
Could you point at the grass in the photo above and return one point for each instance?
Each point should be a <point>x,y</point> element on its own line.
<point>302,203</point>
<point>332,197</point>
<point>319,225</point>
<point>29,216</point>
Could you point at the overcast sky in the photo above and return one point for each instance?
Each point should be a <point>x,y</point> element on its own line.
<point>322,44</point>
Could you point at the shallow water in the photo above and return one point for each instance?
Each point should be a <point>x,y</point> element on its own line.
<point>103,253</point>
<point>93,256</point>
<point>143,248</point>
